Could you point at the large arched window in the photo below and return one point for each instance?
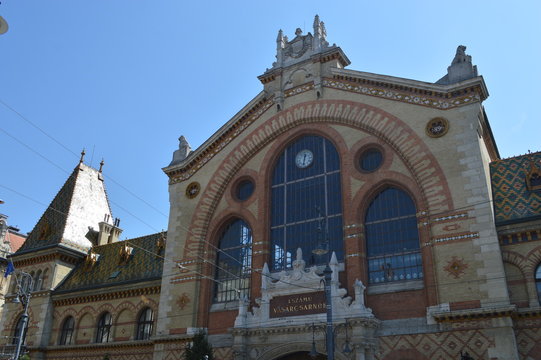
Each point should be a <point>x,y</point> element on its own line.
<point>538,282</point>
<point>104,328</point>
<point>306,202</point>
<point>392,238</point>
<point>17,332</point>
<point>144,324</point>
<point>66,333</point>
<point>234,262</point>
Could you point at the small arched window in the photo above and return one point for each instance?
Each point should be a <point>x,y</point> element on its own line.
<point>538,282</point>
<point>17,332</point>
<point>104,328</point>
<point>144,324</point>
<point>38,279</point>
<point>392,238</point>
<point>234,262</point>
<point>66,333</point>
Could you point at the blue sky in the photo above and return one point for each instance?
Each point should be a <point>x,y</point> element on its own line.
<point>125,78</point>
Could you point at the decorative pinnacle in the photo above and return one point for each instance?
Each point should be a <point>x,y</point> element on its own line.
<point>101,165</point>
<point>82,156</point>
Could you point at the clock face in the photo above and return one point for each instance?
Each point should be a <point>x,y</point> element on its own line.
<point>304,159</point>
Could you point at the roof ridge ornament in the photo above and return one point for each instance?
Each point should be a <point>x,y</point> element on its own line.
<point>184,149</point>
<point>461,68</point>
<point>301,47</point>
<point>82,156</point>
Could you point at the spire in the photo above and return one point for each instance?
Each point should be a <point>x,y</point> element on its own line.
<point>79,205</point>
<point>82,156</point>
<point>101,166</point>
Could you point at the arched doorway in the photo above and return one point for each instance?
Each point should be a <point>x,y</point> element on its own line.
<point>302,355</point>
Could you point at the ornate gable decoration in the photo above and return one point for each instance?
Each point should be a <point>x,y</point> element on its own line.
<point>297,297</point>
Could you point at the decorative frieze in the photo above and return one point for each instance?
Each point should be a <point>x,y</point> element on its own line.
<point>107,296</point>
<point>410,95</point>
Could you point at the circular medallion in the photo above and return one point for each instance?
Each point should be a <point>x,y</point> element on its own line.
<point>192,190</point>
<point>437,127</point>
<point>304,158</point>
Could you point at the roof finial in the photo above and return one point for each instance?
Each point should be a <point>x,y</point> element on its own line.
<point>82,156</point>
<point>101,165</point>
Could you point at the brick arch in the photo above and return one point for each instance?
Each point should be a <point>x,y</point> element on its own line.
<point>422,164</point>
<point>61,316</point>
<point>516,259</point>
<point>533,261</point>
<point>106,308</point>
<point>143,304</point>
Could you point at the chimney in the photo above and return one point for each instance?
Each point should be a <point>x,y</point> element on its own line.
<point>109,233</point>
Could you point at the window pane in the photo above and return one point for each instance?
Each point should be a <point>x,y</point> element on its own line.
<point>392,238</point>
<point>233,263</point>
<point>306,203</point>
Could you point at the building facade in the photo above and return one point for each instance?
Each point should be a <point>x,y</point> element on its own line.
<point>395,185</point>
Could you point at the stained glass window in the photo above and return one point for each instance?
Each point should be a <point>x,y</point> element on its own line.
<point>306,202</point>
<point>392,238</point>
<point>234,262</point>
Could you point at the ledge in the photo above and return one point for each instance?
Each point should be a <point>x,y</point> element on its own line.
<point>397,286</point>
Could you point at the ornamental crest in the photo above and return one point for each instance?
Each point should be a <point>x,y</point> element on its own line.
<point>299,45</point>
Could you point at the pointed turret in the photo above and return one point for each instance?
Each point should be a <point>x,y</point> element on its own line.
<point>77,209</point>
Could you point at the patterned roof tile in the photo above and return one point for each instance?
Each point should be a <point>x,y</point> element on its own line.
<point>513,201</point>
<point>144,263</point>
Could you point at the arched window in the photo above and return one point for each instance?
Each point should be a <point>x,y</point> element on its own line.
<point>104,328</point>
<point>538,282</point>
<point>66,332</point>
<point>306,202</point>
<point>234,261</point>
<point>392,238</point>
<point>144,324</point>
<point>17,332</point>
<point>37,281</point>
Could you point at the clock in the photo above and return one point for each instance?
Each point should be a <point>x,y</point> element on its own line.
<point>304,159</point>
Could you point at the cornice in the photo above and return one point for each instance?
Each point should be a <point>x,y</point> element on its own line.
<point>415,93</point>
<point>333,53</point>
<point>410,85</point>
<point>475,314</point>
<point>80,299</point>
<point>31,259</point>
<point>97,346</point>
<point>371,323</point>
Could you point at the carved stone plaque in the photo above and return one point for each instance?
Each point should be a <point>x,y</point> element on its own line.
<point>298,304</point>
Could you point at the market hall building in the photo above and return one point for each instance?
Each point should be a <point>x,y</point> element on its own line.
<point>396,184</point>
